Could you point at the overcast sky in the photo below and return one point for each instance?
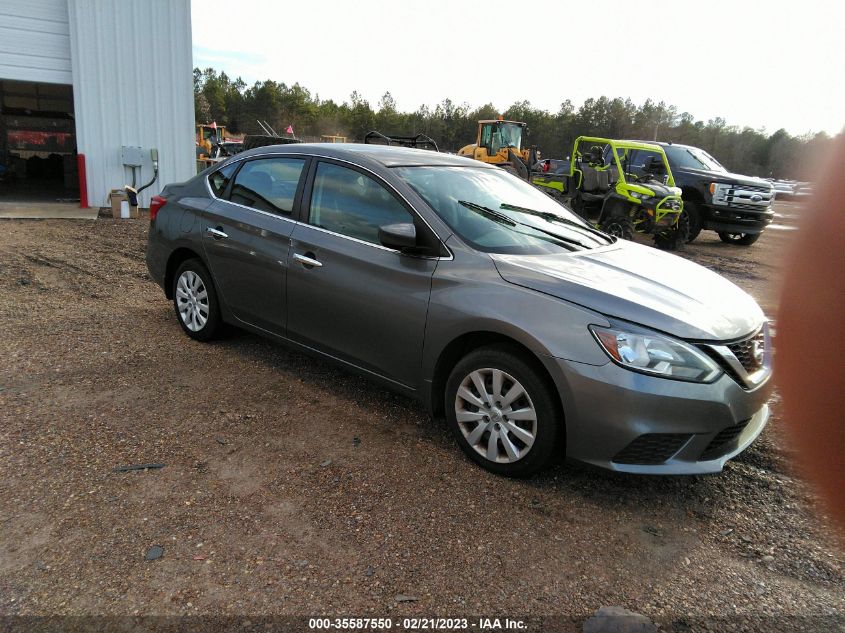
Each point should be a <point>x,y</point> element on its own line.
<point>763,64</point>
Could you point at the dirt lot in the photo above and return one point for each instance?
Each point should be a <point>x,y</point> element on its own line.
<point>292,487</point>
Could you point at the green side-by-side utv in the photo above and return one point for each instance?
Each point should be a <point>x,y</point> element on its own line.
<point>621,187</point>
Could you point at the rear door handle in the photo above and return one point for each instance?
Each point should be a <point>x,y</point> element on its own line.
<point>307,260</point>
<point>217,234</point>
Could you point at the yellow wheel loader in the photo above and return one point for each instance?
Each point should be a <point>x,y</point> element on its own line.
<point>499,142</point>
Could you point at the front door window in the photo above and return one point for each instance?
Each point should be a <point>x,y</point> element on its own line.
<point>348,202</point>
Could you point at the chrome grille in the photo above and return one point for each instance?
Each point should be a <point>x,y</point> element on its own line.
<point>748,361</point>
<point>749,352</point>
<point>746,196</point>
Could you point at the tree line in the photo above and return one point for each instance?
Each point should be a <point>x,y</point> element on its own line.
<point>232,103</point>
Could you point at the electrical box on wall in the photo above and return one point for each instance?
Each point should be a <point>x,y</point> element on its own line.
<point>131,156</point>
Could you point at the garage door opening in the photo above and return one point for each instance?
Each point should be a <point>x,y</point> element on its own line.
<point>38,158</point>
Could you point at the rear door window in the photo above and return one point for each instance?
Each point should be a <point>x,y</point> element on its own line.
<point>220,178</point>
<point>348,202</point>
<point>268,184</point>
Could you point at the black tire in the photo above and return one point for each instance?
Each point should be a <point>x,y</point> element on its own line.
<point>539,395</point>
<point>740,239</point>
<point>693,213</point>
<point>618,225</point>
<point>209,309</point>
<point>673,239</point>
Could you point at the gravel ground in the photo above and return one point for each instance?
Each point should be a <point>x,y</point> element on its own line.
<point>292,487</point>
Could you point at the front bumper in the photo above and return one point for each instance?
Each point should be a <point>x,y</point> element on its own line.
<point>737,218</point>
<point>663,212</point>
<point>631,422</point>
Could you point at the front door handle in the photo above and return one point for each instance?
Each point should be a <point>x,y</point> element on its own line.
<point>217,234</point>
<point>307,260</point>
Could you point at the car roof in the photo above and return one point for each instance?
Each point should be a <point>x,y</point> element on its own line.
<point>667,144</point>
<point>388,156</point>
<point>623,143</point>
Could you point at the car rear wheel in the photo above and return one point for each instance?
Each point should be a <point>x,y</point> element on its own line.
<point>195,300</point>
<point>503,412</point>
<point>741,239</point>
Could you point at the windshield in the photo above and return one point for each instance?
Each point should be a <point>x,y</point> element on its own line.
<point>692,158</point>
<point>496,212</point>
<point>511,135</point>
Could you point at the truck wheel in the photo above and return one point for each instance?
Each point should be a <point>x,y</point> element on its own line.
<point>740,239</point>
<point>693,214</point>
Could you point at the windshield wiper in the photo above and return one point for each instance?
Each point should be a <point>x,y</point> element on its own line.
<point>551,217</point>
<point>503,219</point>
<point>488,212</point>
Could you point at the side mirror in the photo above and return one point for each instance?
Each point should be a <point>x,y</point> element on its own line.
<point>399,236</point>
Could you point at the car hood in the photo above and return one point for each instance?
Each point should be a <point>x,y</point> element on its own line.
<point>725,177</point>
<point>660,190</point>
<point>642,285</point>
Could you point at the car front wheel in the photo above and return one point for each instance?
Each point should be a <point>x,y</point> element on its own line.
<point>503,412</point>
<point>195,300</point>
<point>742,239</point>
<point>618,226</point>
<point>693,214</point>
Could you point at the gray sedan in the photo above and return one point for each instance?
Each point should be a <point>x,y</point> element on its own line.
<point>452,281</point>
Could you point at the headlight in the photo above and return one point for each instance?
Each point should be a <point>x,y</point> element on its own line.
<point>656,354</point>
<point>641,196</point>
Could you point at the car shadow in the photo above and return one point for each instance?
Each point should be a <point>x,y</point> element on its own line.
<point>565,477</point>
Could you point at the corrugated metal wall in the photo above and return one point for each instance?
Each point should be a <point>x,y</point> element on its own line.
<point>34,41</point>
<point>132,85</point>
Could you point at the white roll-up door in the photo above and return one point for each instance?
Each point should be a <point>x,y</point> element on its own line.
<point>35,41</point>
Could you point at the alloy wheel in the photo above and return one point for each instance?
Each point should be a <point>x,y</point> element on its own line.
<point>496,416</point>
<point>615,230</point>
<point>192,301</point>
<point>742,239</point>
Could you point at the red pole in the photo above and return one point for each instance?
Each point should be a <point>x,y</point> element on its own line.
<point>83,181</point>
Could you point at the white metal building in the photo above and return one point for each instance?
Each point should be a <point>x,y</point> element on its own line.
<point>80,80</point>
